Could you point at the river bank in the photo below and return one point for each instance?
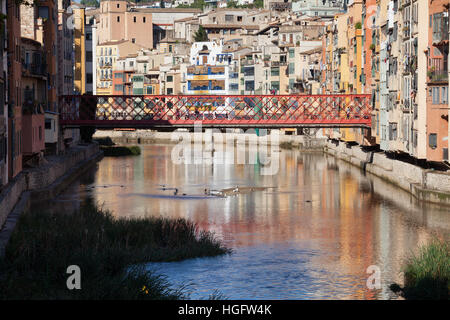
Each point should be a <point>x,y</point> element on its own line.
<point>425,185</point>
<point>106,251</point>
<point>42,183</point>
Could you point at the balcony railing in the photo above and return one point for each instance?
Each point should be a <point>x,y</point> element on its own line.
<point>38,69</point>
<point>438,76</point>
<point>246,62</point>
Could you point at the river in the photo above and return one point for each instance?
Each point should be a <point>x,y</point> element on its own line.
<point>311,233</point>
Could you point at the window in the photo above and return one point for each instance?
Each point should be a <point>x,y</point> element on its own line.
<point>89,36</point>
<point>48,124</point>
<point>118,6</point>
<point>169,78</point>
<point>249,85</point>
<point>118,19</point>
<point>444,95</point>
<point>432,140</point>
<point>89,77</point>
<point>118,87</point>
<point>239,18</point>
<point>392,131</point>
<point>435,94</point>
<point>133,40</point>
<point>134,19</point>
<point>43,12</point>
<point>143,19</point>
<point>88,56</point>
<point>291,53</point>
<point>169,91</point>
<point>275,71</point>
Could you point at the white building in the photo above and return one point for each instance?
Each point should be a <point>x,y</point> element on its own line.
<point>209,69</point>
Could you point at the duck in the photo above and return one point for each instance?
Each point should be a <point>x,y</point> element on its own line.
<point>175,192</point>
<point>215,192</point>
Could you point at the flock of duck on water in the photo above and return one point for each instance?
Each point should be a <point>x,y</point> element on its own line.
<point>208,192</point>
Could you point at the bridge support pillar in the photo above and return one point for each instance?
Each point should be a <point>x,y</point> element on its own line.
<point>86,133</point>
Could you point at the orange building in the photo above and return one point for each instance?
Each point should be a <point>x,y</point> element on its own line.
<point>437,81</point>
<point>14,91</point>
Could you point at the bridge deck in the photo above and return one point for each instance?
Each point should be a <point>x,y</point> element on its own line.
<point>245,111</point>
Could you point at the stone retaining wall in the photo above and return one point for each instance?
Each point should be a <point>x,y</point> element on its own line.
<point>149,136</point>
<point>426,185</point>
<point>44,176</point>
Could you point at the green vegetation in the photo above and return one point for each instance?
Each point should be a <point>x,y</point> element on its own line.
<point>287,145</point>
<point>90,3</point>
<point>201,34</point>
<point>119,151</point>
<point>358,25</point>
<point>198,4</point>
<point>427,275</point>
<point>106,141</point>
<point>109,252</point>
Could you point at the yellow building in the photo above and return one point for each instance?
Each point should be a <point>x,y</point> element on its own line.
<point>80,50</point>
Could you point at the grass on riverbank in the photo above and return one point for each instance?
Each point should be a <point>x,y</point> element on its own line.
<point>427,274</point>
<point>43,245</point>
<point>118,151</point>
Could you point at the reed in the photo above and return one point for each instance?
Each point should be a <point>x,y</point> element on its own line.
<point>427,274</point>
<point>110,253</point>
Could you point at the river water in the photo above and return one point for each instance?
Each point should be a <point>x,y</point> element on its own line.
<point>312,233</point>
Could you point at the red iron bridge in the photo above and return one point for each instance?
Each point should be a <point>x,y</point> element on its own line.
<point>228,111</point>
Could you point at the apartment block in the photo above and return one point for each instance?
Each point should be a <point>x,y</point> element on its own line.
<point>3,101</point>
<point>34,98</point>
<point>14,72</point>
<point>107,54</point>
<point>84,49</point>
<point>437,81</point>
<point>65,50</point>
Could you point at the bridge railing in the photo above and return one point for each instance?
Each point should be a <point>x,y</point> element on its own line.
<point>184,110</point>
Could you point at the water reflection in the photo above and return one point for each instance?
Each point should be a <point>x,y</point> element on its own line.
<point>310,235</point>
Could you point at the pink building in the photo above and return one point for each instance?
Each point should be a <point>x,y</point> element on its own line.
<point>119,22</point>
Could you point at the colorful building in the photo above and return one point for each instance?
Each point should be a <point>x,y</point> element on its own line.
<point>437,81</point>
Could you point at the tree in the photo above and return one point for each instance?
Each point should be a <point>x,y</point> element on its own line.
<point>232,4</point>
<point>201,34</point>
<point>258,3</point>
<point>90,3</point>
<point>197,4</point>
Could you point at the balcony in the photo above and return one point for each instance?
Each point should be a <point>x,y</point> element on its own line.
<point>34,69</point>
<point>439,76</point>
<point>247,62</point>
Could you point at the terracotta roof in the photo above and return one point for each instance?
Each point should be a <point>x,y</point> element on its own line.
<point>185,19</point>
<point>313,50</point>
<point>230,26</point>
<point>167,10</point>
